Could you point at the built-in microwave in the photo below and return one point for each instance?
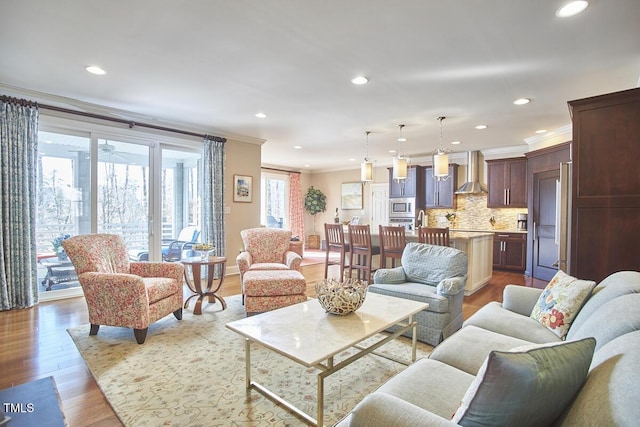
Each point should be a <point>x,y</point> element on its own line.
<point>404,207</point>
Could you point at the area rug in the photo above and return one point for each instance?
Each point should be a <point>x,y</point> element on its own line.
<point>192,373</point>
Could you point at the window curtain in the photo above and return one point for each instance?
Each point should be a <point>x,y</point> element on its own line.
<point>213,194</point>
<point>18,156</point>
<point>296,213</point>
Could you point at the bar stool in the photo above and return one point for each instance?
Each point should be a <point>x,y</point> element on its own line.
<point>334,237</point>
<point>392,243</point>
<point>434,236</point>
<point>362,251</point>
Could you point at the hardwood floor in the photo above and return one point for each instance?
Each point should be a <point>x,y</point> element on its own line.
<point>35,344</point>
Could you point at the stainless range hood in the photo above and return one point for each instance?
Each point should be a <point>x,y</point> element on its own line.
<point>472,186</point>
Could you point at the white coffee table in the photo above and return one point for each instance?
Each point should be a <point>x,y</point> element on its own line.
<point>308,335</point>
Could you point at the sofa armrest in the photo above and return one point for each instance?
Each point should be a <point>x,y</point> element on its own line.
<point>520,299</point>
<point>389,276</point>
<point>381,410</point>
<point>293,260</point>
<point>244,261</point>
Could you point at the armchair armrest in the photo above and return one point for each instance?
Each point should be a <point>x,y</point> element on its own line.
<point>451,286</point>
<point>381,410</point>
<point>292,260</point>
<point>520,299</point>
<point>172,270</point>
<point>389,275</point>
<point>244,261</point>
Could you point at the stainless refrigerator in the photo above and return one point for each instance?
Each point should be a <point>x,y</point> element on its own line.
<point>563,218</point>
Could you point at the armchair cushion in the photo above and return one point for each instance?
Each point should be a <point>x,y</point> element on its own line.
<point>526,388</point>
<point>443,263</point>
<point>561,301</point>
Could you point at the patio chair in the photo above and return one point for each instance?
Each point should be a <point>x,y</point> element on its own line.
<point>172,249</point>
<point>122,293</point>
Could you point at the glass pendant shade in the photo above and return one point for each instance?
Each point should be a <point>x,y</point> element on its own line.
<point>366,171</point>
<point>399,168</point>
<point>441,164</point>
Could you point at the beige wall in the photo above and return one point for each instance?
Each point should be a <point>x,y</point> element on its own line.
<point>240,159</point>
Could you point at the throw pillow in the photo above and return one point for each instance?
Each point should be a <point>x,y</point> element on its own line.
<point>526,388</point>
<point>561,301</point>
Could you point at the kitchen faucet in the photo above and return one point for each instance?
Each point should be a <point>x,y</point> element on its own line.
<point>420,219</point>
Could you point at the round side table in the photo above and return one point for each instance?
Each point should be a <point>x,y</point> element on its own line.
<point>194,280</point>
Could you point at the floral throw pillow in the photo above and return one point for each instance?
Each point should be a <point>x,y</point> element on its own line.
<point>561,301</point>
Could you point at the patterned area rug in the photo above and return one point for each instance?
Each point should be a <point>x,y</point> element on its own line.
<point>192,373</point>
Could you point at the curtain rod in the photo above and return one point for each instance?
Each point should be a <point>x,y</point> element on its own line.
<point>130,123</point>
<point>279,170</point>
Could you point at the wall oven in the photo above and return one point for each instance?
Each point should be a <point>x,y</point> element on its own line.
<point>402,212</point>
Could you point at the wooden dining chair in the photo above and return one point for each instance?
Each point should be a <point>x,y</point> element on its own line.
<point>392,243</point>
<point>362,252</point>
<point>334,238</point>
<point>434,236</point>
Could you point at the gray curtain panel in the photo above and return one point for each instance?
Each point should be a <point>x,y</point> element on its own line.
<point>18,157</point>
<point>213,194</point>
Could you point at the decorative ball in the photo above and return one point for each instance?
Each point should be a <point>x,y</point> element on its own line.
<point>341,297</point>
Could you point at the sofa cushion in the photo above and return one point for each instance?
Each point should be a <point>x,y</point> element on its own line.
<point>389,276</point>
<point>613,286</point>
<point>422,384</point>
<point>468,348</point>
<point>495,318</point>
<point>526,388</point>
<point>615,318</point>
<point>561,301</point>
<point>416,292</point>
<point>443,262</point>
<point>609,396</point>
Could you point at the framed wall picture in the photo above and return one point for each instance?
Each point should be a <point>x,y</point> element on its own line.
<point>351,195</point>
<point>242,188</point>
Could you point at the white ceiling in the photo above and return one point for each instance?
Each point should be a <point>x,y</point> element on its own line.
<point>212,65</point>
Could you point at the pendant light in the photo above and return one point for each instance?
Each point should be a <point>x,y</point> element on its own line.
<point>399,161</point>
<point>366,168</point>
<point>441,158</point>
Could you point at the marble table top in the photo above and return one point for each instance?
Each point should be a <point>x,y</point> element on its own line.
<point>305,333</point>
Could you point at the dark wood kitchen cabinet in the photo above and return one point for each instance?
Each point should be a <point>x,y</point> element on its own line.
<point>410,187</point>
<point>441,194</point>
<point>510,251</point>
<point>507,181</point>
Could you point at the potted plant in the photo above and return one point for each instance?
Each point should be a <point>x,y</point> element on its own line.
<point>314,202</point>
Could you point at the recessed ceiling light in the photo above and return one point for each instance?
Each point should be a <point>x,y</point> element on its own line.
<point>572,8</point>
<point>521,101</point>
<point>392,151</point>
<point>298,147</point>
<point>94,69</point>
<point>261,115</point>
<point>402,139</point>
<point>359,80</point>
<point>352,159</point>
<point>455,142</point>
<point>541,131</point>
<point>307,166</point>
<point>480,127</point>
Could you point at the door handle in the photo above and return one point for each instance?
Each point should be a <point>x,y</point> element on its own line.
<point>534,237</point>
<point>556,264</point>
<point>504,196</point>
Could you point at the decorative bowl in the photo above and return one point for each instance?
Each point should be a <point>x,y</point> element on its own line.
<point>341,298</point>
<point>203,249</point>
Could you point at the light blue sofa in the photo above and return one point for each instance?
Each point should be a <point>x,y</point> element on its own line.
<point>432,274</point>
<point>431,390</point>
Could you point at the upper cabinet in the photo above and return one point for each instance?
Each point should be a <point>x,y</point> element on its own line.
<point>410,187</point>
<point>440,194</point>
<point>507,180</point>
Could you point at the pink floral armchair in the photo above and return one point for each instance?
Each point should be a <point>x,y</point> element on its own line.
<point>123,293</point>
<point>267,249</point>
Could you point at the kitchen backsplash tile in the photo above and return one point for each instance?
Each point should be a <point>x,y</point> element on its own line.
<point>472,213</point>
